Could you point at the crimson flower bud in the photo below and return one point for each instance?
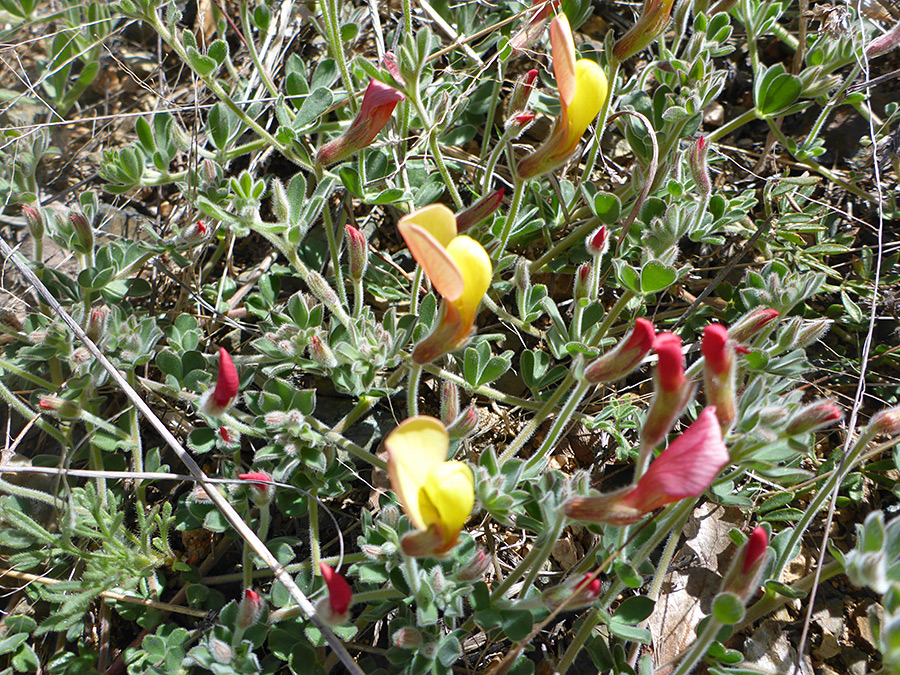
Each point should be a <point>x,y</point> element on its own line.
<point>699,169</point>
<point>814,416</point>
<point>194,233</point>
<point>358,249</point>
<point>743,577</point>
<point>449,403</point>
<point>84,231</point>
<point>215,403</point>
<point>476,568</point>
<point>672,393</point>
<point>63,408</point>
<point>249,610</point>
<point>582,286</point>
<point>340,595</point>
<point>649,26</point>
<point>597,242</point>
<point>35,221</point>
<point>532,31</point>
<point>582,594</point>
<point>886,422</point>
<point>749,325</point>
<point>517,124</point>
<point>625,357</point>
<point>480,210</point>
<point>220,650</point>
<point>884,43</point>
<point>718,373</point>
<point>518,102</point>
<point>407,638</point>
<point>320,352</point>
<point>812,331</point>
<point>261,486</point>
<point>379,101</point>
<point>464,425</point>
<point>97,320</point>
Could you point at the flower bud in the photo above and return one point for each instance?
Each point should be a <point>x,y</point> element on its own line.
<point>867,569</point>
<point>884,43</point>
<point>517,124</point>
<point>699,169</point>
<point>578,595</point>
<point>322,290</point>
<point>220,650</point>
<point>261,487</point>
<point>597,242</point>
<point>749,325</point>
<point>35,221</point>
<point>522,277</point>
<point>671,395</point>
<point>886,422</point>
<point>532,30</point>
<point>480,210</point>
<point>476,568</point>
<point>743,577</point>
<point>320,352</point>
<point>63,408</point>
<point>464,425</point>
<point>407,638</point>
<point>811,332</point>
<point>227,439</point>
<point>390,515</point>
<point>582,286</point>
<point>249,610</point>
<point>518,102</point>
<point>336,610</point>
<point>210,173</point>
<point>625,357</point>
<point>358,249</point>
<point>814,416</point>
<point>718,373</point>
<point>194,234</point>
<point>649,26</point>
<point>96,325</point>
<point>84,232</point>
<point>449,403</point>
<point>227,385</point>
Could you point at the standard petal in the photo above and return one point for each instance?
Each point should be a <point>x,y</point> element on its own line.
<point>435,261</point>
<point>414,448</point>
<point>436,219</point>
<point>562,47</point>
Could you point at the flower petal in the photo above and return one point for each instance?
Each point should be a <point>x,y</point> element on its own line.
<point>474,265</point>
<point>436,219</point>
<point>427,233</point>
<point>447,497</point>
<point>414,448</point>
<point>588,97</point>
<point>562,47</point>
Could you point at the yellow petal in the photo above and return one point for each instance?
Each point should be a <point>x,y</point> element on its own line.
<point>590,94</point>
<point>447,497</point>
<point>435,261</point>
<point>474,265</point>
<point>414,449</point>
<point>436,219</point>
<point>562,46</point>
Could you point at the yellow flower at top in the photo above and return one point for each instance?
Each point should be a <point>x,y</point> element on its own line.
<point>582,92</point>
<point>436,494</point>
<point>459,269</point>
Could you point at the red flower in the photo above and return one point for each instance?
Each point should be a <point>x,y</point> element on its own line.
<point>249,610</point>
<point>625,357</point>
<point>339,593</point>
<point>227,382</point>
<point>671,361</point>
<point>714,348</point>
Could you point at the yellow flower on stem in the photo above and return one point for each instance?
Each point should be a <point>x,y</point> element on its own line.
<point>460,271</point>
<point>582,92</point>
<point>436,494</point>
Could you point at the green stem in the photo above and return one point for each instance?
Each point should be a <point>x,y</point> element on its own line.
<point>247,565</point>
<point>314,551</point>
<point>833,102</point>
<point>536,463</point>
<point>600,125</point>
<point>334,248</point>
<point>137,450</point>
<point>254,55</point>
<point>518,191</point>
<point>412,390</point>
<point>442,167</point>
<point>336,47</point>
<point>414,296</point>
<point>407,18</point>
<point>493,103</point>
<point>358,298</point>
<point>733,125</point>
<point>550,537</point>
<point>574,237</point>
<point>698,650</point>
<point>528,430</point>
<point>771,601</point>
<point>411,572</point>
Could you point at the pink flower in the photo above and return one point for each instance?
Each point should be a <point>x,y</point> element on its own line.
<point>340,596</point>
<point>743,577</point>
<point>751,324</point>
<point>718,373</point>
<point>684,469</point>
<point>226,391</point>
<point>261,486</point>
<point>375,112</point>
<point>625,357</point>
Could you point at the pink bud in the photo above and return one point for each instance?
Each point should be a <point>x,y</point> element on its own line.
<point>886,422</point>
<point>339,593</point>
<point>597,242</point>
<point>449,403</point>
<point>466,424</point>
<point>590,585</point>
<point>220,650</point>
<point>249,610</point>
<point>625,357</point>
<point>83,230</point>
<point>751,324</point>
<point>814,416</point>
<point>714,348</point>
<point>480,210</point>
<point>407,638</point>
<point>884,43</point>
<point>684,469</point>
<point>649,26</point>
<point>743,577</point>
<point>194,233</point>
<point>476,568</point>
<point>699,169</point>
<point>261,486</point>
<point>35,221</point>
<point>756,549</point>
<point>227,382</point>
<point>97,320</point>
<point>576,596</point>
<point>320,352</point>
<point>358,249</point>
<point>718,373</point>
<point>671,361</point>
<point>378,105</point>
<point>518,102</point>
<point>61,406</point>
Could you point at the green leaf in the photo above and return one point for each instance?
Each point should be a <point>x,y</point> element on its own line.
<point>634,610</point>
<point>313,106</point>
<point>728,609</point>
<point>655,276</point>
<point>607,207</point>
<point>517,624</point>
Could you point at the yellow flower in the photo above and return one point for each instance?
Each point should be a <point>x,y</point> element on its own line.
<point>460,271</point>
<point>437,495</point>
<point>582,93</point>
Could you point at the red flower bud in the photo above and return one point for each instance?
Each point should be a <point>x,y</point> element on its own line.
<point>339,595</point>
<point>518,102</point>
<point>743,577</point>
<point>358,249</point>
<point>751,324</point>
<point>625,357</point>
<point>884,43</point>
<point>582,285</point>
<point>714,348</point>
<point>597,242</point>
<point>480,210</point>
<point>670,367</point>
<point>249,610</point>
<point>649,26</point>
<point>215,403</point>
<point>699,169</point>
<point>35,221</point>
<point>814,416</point>
<point>886,422</point>
<point>261,486</point>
